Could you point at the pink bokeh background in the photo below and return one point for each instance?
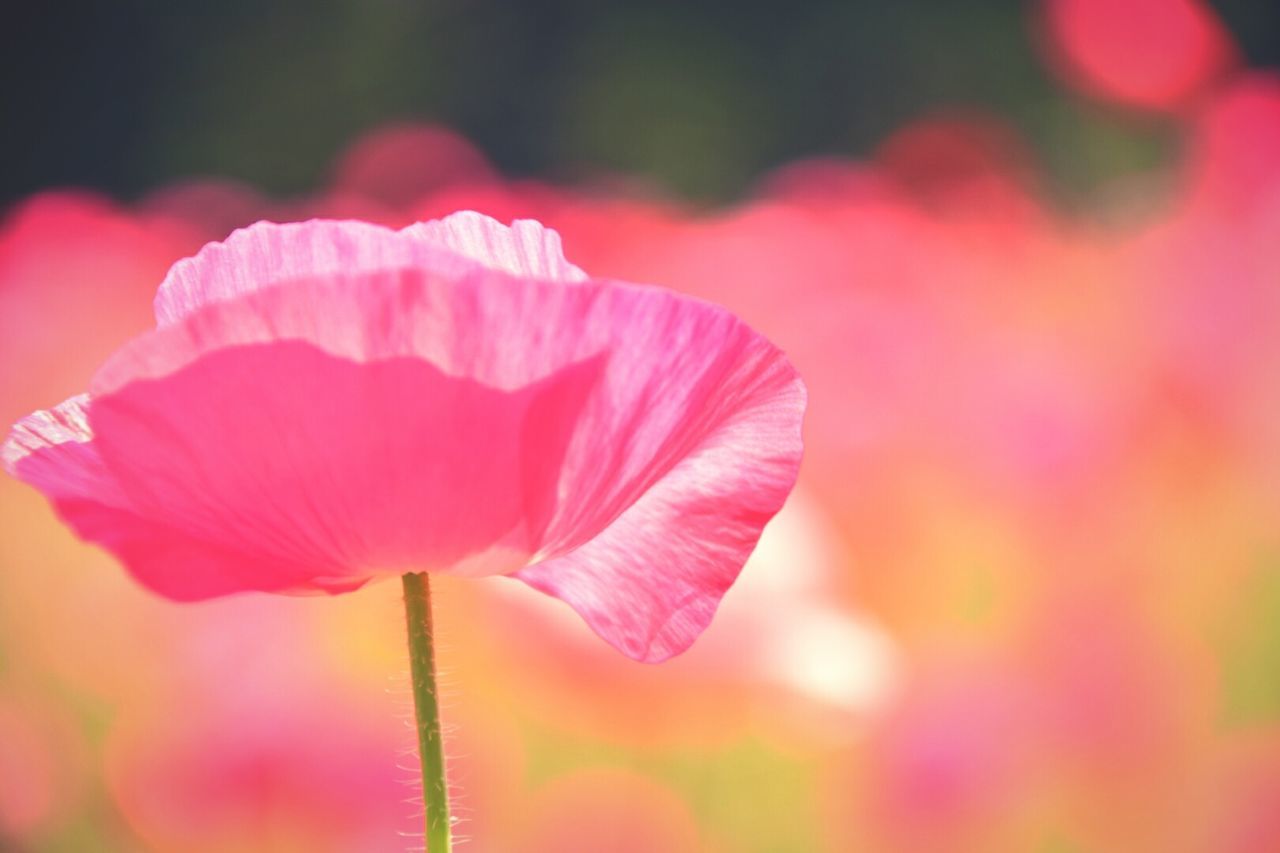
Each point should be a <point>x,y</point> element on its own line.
<point>1026,595</point>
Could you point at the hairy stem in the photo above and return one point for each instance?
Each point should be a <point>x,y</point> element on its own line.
<point>426,705</point>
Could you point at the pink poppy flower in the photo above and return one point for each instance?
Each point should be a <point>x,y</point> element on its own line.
<point>398,164</point>
<point>90,263</point>
<point>325,403</point>
<point>1154,55</point>
<point>297,768</point>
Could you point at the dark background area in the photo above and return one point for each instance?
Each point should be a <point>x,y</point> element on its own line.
<point>700,97</point>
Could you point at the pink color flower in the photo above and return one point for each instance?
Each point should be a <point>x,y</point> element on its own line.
<point>328,402</point>
<point>1151,54</point>
<point>81,258</point>
<point>314,772</point>
<point>398,164</point>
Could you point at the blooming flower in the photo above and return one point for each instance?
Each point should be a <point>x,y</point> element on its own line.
<point>324,403</point>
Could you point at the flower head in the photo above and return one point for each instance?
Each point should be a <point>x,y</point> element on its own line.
<point>323,403</point>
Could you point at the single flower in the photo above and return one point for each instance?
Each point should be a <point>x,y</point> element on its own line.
<point>325,403</point>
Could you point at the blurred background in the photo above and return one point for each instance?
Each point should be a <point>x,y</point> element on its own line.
<point>698,97</point>
<point>1027,257</point>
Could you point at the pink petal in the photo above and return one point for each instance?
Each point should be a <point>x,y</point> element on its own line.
<point>525,248</point>
<point>650,582</point>
<point>619,447</point>
<point>267,254</point>
<point>55,452</point>
<point>209,480</point>
<point>350,469</point>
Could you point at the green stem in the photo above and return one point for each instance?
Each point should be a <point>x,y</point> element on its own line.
<point>426,704</point>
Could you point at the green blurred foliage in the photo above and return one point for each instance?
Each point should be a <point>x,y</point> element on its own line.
<point>699,97</point>
<point>773,805</point>
<point>1250,652</point>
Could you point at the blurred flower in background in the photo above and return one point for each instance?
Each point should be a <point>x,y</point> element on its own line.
<point>1026,258</point>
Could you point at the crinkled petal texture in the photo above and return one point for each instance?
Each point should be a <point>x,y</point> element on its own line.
<point>324,403</point>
